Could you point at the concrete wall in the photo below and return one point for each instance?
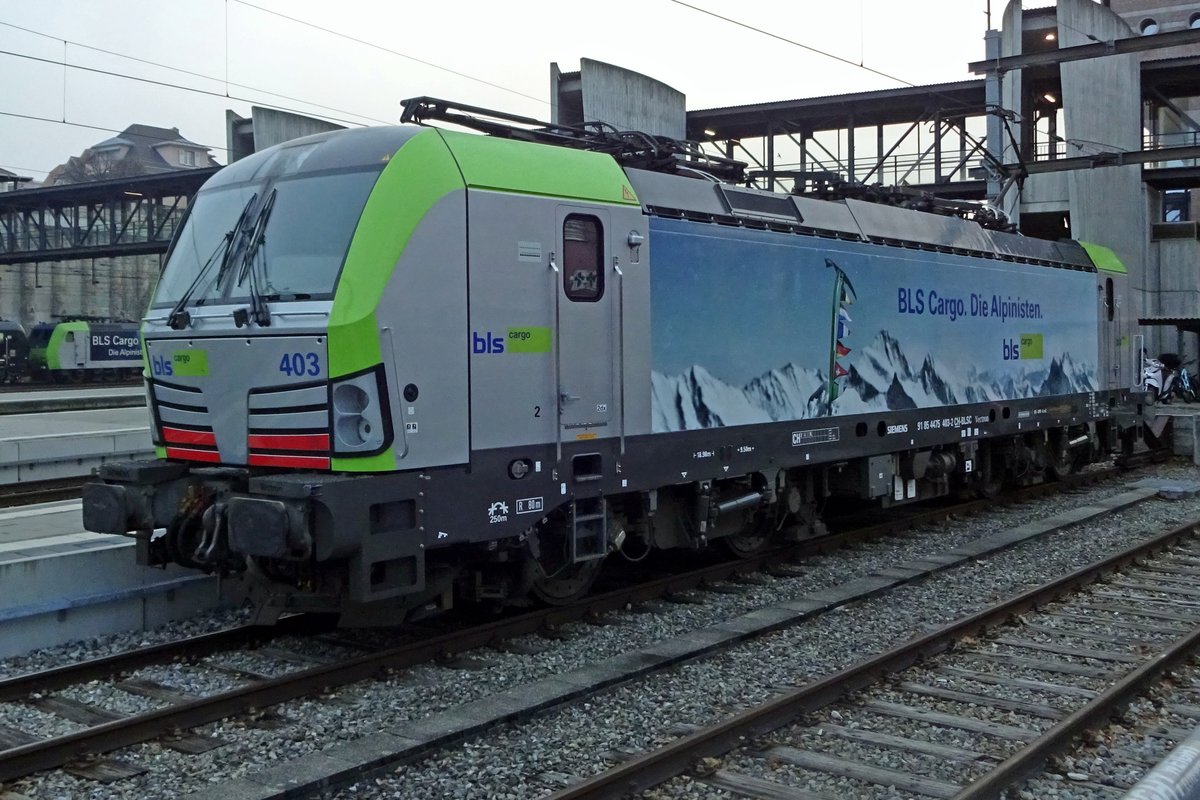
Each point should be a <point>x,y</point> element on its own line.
<point>1102,103</point>
<point>631,101</point>
<point>1010,98</point>
<point>115,288</point>
<point>1046,192</point>
<point>267,127</point>
<point>1179,277</point>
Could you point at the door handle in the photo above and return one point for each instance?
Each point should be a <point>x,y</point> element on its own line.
<point>566,397</point>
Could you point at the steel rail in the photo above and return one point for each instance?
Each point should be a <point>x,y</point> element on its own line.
<point>33,492</point>
<point>56,752</point>
<point>21,686</point>
<point>52,753</point>
<point>1028,760</point>
<point>676,758</point>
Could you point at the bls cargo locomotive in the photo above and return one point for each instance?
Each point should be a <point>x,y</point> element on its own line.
<point>396,368</point>
<point>73,351</point>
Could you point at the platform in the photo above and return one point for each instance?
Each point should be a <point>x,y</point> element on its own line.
<point>59,583</point>
<point>1185,431</point>
<point>68,444</point>
<point>77,398</point>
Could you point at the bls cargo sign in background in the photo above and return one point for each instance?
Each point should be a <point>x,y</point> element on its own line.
<point>113,343</point>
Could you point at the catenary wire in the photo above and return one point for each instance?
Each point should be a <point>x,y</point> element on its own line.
<point>792,42</point>
<point>23,169</point>
<point>1077,143</point>
<point>169,85</point>
<point>381,48</point>
<point>192,73</point>
<point>51,120</point>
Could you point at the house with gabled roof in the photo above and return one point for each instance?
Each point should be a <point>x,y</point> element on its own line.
<point>137,150</point>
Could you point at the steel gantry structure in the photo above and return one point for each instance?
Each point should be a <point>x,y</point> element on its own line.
<point>921,139</point>
<point>116,217</point>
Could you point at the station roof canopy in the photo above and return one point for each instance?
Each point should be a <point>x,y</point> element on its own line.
<point>1191,324</point>
<point>884,107</point>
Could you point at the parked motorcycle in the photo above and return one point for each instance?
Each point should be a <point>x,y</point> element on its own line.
<point>1159,379</point>
<point>1166,377</point>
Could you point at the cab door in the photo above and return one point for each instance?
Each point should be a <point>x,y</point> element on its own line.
<point>585,352</point>
<point>1111,329</point>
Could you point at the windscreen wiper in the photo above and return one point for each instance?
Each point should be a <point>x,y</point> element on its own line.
<point>179,318</point>
<point>259,311</point>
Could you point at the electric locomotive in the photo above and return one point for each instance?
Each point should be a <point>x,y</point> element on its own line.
<point>390,369</point>
<point>14,352</point>
<point>72,351</point>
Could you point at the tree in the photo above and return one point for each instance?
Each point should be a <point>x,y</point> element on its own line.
<point>97,166</point>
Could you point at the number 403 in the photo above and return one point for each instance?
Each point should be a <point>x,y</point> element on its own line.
<point>300,364</point>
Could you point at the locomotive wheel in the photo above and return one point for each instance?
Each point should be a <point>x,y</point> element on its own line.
<point>556,580</point>
<point>992,480</point>
<point>567,585</point>
<point>1060,460</point>
<point>752,537</point>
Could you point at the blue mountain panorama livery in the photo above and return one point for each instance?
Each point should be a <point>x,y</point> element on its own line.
<point>393,369</point>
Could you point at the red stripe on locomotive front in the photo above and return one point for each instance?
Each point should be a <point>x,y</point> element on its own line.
<point>187,454</point>
<point>181,436</point>
<point>290,441</point>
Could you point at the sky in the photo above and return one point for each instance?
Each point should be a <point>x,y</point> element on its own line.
<point>236,53</point>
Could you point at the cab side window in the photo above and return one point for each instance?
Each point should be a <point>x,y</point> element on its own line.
<point>583,258</point>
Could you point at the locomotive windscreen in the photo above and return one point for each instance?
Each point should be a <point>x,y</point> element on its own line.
<point>305,232</point>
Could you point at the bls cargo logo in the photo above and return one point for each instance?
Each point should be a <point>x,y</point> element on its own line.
<point>185,363</point>
<point>161,367</point>
<point>533,339</point>
<point>1027,346</point>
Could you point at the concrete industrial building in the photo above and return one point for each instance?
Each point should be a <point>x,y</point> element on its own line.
<point>1083,113</point>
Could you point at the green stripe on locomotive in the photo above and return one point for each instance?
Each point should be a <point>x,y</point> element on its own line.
<point>48,357</point>
<point>430,166</point>
<point>1104,258</point>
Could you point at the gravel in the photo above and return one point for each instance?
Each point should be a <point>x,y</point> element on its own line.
<point>531,760</point>
<point>112,644</point>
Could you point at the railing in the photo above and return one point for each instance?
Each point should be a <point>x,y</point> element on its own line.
<point>1158,141</point>
<point>115,217</point>
<point>898,169</point>
<point>41,232</point>
<point>1049,150</point>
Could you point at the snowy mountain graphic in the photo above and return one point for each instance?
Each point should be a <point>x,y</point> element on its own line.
<point>881,378</point>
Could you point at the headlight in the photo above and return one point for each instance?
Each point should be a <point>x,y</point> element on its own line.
<point>360,417</point>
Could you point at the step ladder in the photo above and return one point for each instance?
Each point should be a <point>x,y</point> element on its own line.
<point>589,529</point>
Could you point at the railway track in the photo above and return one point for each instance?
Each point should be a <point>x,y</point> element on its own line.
<point>1062,632</point>
<point>32,492</point>
<point>78,750</point>
<point>13,388</point>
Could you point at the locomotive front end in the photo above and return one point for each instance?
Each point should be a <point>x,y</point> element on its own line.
<point>272,393</point>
